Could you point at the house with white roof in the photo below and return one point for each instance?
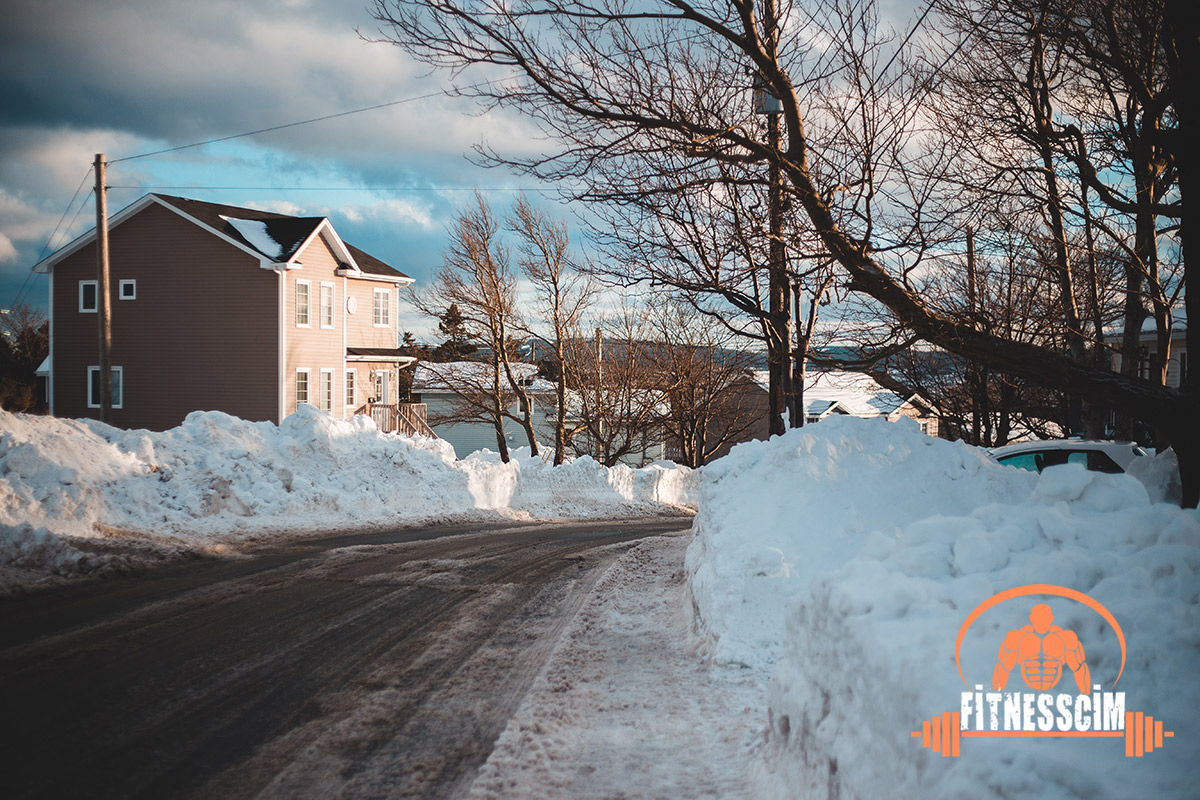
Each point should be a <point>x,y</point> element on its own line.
<point>442,388</point>
<point>858,394</point>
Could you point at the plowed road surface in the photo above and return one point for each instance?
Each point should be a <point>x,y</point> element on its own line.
<point>363,666</point>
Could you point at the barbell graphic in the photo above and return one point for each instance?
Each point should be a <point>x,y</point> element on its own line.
<point>1143,734</point>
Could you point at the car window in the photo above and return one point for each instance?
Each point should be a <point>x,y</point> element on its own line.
<point>1021,461</point>
<point>1102,462</point>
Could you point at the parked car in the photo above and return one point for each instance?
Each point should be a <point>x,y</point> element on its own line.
<point>1098,456</point>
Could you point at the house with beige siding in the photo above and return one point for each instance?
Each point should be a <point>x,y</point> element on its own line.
<point>217,307</point>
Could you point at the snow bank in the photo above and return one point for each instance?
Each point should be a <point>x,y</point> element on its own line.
<point>846,556</point>
<point>217,480</point>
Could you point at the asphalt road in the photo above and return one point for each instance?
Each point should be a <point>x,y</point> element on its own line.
<point>381,665</point>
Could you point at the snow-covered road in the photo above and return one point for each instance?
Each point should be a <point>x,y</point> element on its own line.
<point>385,669</point>
<point>629,705</point>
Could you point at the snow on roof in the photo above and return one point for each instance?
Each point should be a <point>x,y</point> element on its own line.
<point>254,231</point>
<point>857,393</point>
<point>445,377</point>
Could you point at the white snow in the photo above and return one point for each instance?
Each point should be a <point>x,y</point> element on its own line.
<point>466,375</point>
<point>628,706</point>
<point>255,232</point>
<point>217,482</point>
<point>844,557</point>
<point>854,393</point>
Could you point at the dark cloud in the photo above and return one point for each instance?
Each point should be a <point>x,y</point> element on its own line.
<point>123,78</point>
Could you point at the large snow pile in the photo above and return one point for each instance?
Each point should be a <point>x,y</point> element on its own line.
<point>845,556</point>
<point>216,480</point>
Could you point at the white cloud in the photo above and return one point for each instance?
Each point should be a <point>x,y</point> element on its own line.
<point>7,251</point>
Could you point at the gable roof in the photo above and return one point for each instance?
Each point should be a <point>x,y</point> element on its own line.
<point>275,239</point>
<point>855,393</point>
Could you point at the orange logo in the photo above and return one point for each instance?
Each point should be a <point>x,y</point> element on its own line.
<point>1042,652</point>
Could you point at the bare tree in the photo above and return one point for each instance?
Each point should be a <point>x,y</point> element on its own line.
<point>476,278</point>
<point>562,295</point>
<point>710,394</point>
<point>610,81</point>
<point>24,345</point>
<point>618,396</point>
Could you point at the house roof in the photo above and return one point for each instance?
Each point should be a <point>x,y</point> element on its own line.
<point>446,377</point>
<point>394,355</point>
<point>853,393</point>
<point>274,238</point>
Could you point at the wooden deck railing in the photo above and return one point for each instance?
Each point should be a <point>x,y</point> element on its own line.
<point>407,418</point>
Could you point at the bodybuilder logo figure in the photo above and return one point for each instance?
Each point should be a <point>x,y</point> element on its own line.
<point>1041,648</point>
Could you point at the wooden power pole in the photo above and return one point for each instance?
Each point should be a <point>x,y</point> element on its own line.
<point>103,293</point>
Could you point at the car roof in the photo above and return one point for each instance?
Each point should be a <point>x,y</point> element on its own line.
<point>1127,450</point>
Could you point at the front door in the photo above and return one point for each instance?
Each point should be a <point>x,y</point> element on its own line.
<point>382,386</point>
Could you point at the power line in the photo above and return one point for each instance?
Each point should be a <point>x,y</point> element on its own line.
<point>30,275</point>
<point>295,124</point>
<point>332,188</point>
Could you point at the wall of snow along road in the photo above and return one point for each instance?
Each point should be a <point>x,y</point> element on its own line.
<point>844,557</point>
<point>216,480</point>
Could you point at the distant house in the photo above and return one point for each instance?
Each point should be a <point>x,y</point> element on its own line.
<point>440,386</point>
<point>1148,356</point>
<point>216,307</point>
<point>858,394</point>
<point>826,394</point>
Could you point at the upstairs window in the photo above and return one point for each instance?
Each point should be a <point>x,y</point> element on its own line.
<point>127,290</point>
<point>89,298</point>
<point>326,305</point>
<point>303,290</point>
<point>382,308</point>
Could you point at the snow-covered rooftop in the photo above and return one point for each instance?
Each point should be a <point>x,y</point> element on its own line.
<point>856,393</point>
<point>445,377</point>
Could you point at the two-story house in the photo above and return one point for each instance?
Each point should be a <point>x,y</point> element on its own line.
<point>222,308</point>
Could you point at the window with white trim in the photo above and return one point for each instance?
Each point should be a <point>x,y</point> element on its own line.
<point>127,290</point>
<point>351,377</point>
<point>325,391</point>
<point>381,308</point>
<point>89,297</point>
<point>327,297</point>
<point>302,386</point>
<point>303,292</point>
<point>118,387</point>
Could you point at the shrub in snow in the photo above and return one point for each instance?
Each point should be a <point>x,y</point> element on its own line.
<point>846,555</point>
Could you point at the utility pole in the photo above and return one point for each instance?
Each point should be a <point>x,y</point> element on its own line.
<point>799,359</point>
<point>599,402</point>
<point>779,340</point>
<point>103,293</point>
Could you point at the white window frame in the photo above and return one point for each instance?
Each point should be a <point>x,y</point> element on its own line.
<point>306,320</point>
<point>381,308</point>
<point>325,391</point>
<point>332,296</point>
<point>118,387</point>
<point>96,296</point>
<point>307,373</point>
<point>380,380</point>
<point>351,388</point>
<point>132,284</point>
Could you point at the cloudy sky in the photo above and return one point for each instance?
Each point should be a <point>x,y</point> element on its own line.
<point>131,77</point>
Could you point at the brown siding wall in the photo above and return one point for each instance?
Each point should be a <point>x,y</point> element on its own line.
<point>201,334</point>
